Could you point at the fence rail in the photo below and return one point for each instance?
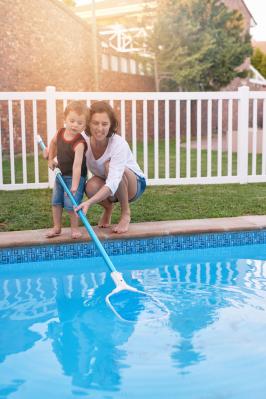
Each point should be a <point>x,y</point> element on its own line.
<point>177,138</point>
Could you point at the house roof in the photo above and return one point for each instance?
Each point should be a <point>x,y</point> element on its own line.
<point>108,9</point>
<point>246,7</point>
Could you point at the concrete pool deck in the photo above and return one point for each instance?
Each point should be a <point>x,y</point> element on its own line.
<point>138,230</point>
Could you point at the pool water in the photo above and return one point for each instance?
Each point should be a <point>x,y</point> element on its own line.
<point>59,340</point>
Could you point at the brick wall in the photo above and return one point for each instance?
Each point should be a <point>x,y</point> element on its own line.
<point>43,43</point>
<point>114,81</point>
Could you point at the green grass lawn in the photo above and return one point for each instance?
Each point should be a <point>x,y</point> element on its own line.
<point>31,209</point>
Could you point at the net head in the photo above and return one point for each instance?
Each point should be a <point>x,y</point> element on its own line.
<point>132,305</point>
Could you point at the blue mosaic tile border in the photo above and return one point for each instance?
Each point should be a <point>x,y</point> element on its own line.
<point>142,245</point>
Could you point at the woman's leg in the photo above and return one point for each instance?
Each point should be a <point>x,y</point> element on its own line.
<point>126,190</point>
<point>92,187</point>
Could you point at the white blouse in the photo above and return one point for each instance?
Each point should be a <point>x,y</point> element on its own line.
<point>120,156</point>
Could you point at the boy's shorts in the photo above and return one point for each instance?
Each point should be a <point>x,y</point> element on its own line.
<point>60,197</point>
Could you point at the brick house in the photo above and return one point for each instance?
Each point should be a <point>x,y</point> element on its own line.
<point>50,45</point>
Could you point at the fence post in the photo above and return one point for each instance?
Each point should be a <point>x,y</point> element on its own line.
<point>51,122</point>
<point>242,138</point>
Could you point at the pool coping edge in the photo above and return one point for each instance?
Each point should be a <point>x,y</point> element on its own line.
<point>138,230</point>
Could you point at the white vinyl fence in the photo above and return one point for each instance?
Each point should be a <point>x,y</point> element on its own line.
<point>177,138</point>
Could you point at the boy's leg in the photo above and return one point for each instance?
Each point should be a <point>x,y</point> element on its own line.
<point>68,205</point>
<point>74,223</point>
<point>57,218</point>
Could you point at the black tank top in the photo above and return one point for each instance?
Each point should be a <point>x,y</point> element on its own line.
<point>66,153</point>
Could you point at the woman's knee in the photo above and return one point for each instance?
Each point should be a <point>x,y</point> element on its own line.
<point>93,185</point>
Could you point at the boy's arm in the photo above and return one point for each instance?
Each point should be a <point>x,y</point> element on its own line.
<point>52,152</point>
<point>76,172</point>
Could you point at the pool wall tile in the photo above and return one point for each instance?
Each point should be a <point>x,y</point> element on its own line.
<point>126,246</point>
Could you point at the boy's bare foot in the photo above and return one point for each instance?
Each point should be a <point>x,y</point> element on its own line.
<point>75,234</point>
<point>123,225</point>
<point>55,232</point>
<point>105,220</point>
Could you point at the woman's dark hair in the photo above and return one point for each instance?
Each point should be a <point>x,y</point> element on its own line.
<point>98,108</point>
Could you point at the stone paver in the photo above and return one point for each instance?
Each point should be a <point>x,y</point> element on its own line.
<point>138,230</point>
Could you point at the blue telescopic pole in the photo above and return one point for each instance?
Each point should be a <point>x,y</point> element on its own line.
<point>81,214</point>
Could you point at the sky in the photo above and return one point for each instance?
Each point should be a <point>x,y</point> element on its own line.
<point>257,9</point>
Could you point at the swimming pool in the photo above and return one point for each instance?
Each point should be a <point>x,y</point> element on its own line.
<point>212,346</point>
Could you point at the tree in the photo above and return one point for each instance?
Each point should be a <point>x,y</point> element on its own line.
<point>199,44</point>
<point>263,66</point>
<point>258,60</point>
<point>70,3</point>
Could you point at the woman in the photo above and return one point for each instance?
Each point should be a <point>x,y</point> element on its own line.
<point>116,175</point>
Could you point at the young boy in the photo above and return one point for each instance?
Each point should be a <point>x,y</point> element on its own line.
<point>69,147</point>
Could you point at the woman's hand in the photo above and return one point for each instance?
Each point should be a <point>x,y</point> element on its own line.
<point>84,206</point>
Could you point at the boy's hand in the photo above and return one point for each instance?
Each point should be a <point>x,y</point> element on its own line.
<point>52,164</point>
<point>45,153</point>
<point>73,190</point>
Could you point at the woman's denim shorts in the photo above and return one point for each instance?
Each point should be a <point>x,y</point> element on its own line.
<point>141,185</point>
<point>60,198</point>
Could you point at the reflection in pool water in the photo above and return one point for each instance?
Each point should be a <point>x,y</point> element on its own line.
<point>212,346</point>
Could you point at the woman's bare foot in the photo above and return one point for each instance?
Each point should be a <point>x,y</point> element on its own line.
<point>105,220</point>
<point>55,232</point>
<point>123,225</point>
<point>75,234</point>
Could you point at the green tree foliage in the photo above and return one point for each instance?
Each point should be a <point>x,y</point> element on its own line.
<point>70,3</point>
<point>263,66</point>
<point>258,60</point>
<point>199,45</point>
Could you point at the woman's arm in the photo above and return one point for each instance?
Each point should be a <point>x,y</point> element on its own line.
<point>101,195</point>
<point>119,155</point>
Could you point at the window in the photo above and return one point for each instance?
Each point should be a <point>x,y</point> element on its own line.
<point>133,66</point>
<point>105,61</point>
<point>114,63</point>
<point>124,64</point>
